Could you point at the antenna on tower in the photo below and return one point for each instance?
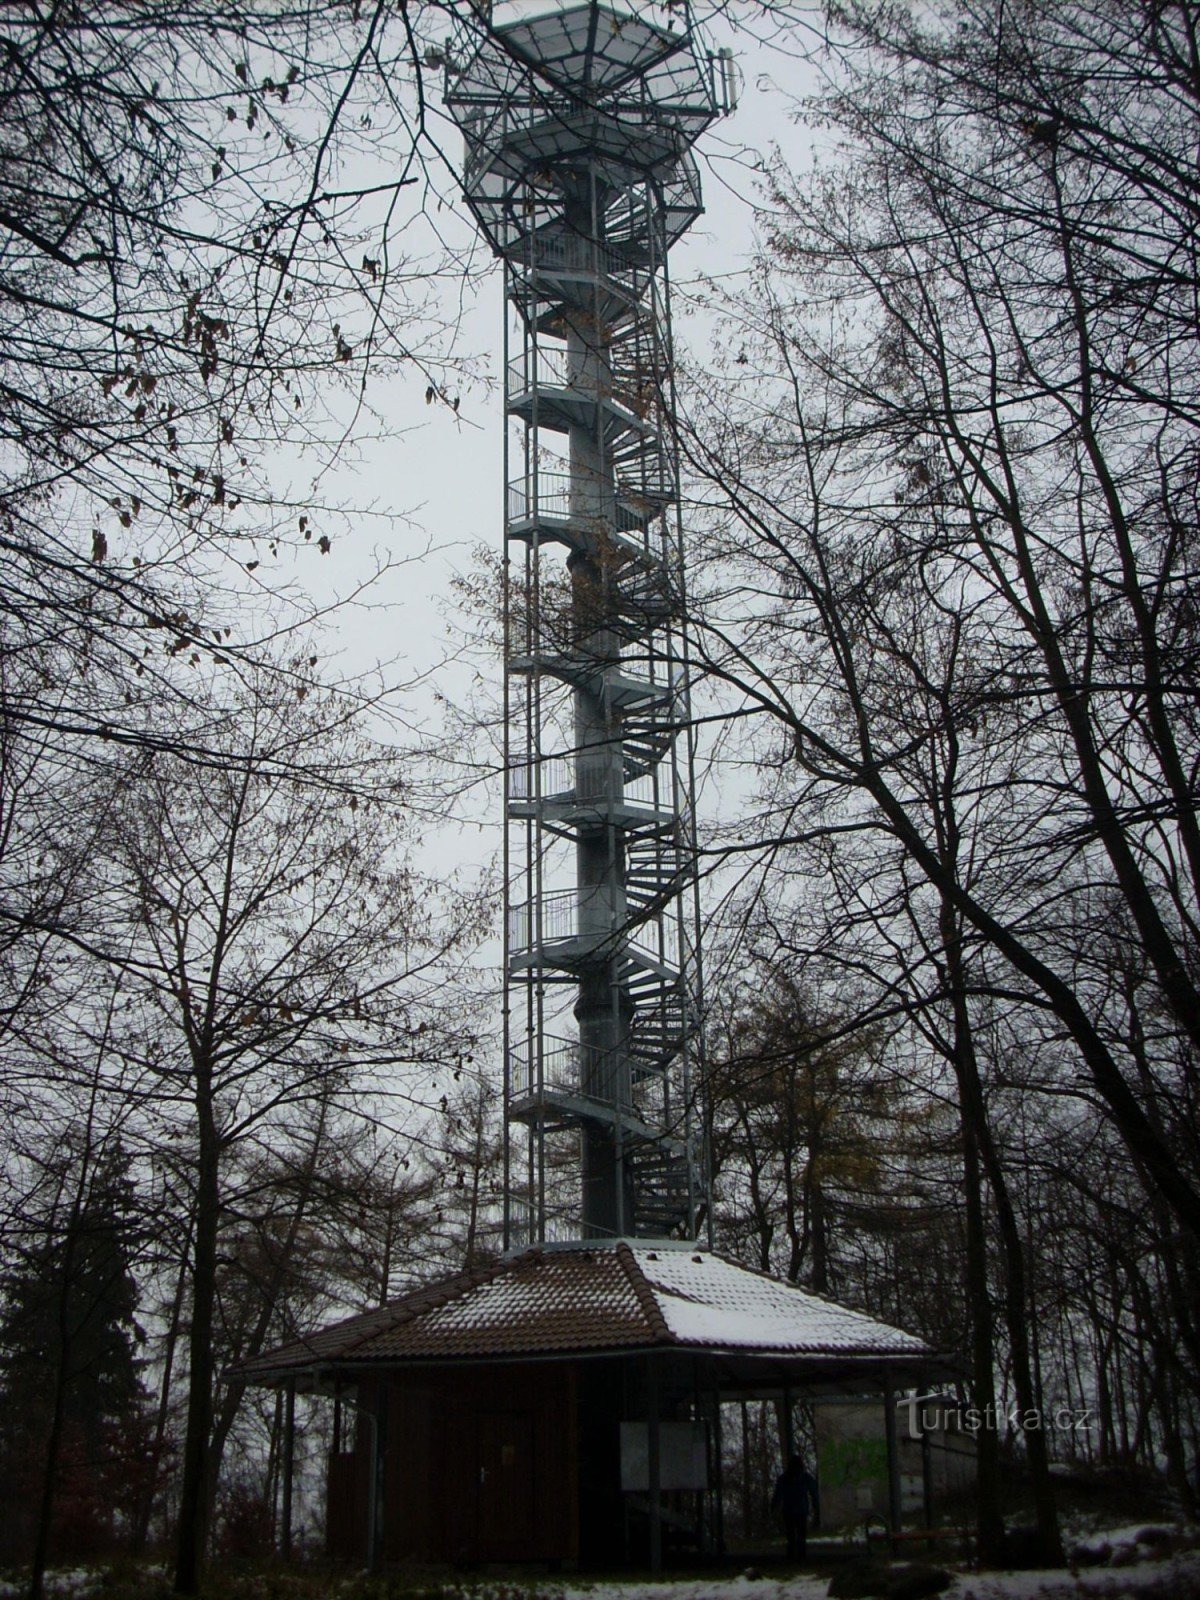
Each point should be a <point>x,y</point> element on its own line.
<point>579,121</point>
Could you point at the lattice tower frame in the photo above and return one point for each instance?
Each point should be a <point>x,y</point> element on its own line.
<point>579,124</point>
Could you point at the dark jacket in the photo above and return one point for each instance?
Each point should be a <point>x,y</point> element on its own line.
<point>795,1490</point>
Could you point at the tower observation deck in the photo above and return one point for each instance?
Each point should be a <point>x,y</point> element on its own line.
<point>579,122</point>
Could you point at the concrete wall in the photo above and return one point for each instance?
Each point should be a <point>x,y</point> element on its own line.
<point>852,1462</point>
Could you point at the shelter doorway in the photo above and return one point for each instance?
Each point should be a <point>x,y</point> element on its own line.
<point>505,1479</point>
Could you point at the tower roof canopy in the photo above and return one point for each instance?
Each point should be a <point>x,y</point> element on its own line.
<point>611,91</point>
<point>598,48</point>
<point>600,1299</point>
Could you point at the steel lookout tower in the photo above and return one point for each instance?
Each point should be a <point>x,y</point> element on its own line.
<point>579,123</point>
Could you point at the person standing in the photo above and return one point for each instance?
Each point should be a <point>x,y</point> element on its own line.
<point>795,1492</point>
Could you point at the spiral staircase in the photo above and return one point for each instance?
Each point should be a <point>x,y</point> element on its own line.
<point>578,127</point>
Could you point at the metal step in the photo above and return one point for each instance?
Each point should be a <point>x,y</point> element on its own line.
<point>661,1190</point>
<point>608,683</point>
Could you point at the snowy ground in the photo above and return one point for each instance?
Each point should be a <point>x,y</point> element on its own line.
<point>1104,1583</point>
<point>76,1583</point>
<point>1130,1570</point>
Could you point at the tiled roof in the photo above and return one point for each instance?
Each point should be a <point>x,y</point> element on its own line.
<point>712,1302</point>
<point>596,1298</point>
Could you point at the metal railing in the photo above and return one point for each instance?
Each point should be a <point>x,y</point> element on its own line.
<point>539,366</point>
<point>558,919</point>
<point>567,1067</point>
<point>547,499</point>
<point>555,1066</point>
<point>562,1223</point>
<point>546,366</point>
<point>585,780</point>
<point>586,916</point>
<point>546,496</point>
<point>529,776</point>
<point>544,251</point>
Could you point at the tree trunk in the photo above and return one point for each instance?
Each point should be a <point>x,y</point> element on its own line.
<point>974,1114</point>
<point>41,1537</point>
<point>818,1232</point>
<point>192,1531</point>
<point>989,1523</point>
<point>141,1531</point>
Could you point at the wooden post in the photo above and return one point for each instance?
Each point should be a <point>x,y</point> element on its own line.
<point>653,1465</point>
<point>787,1437</point>
<point>893,1460</point>
<point>376,1482</point>
<point>720,1473</point>
<point>746,1518</point>
<point>289,1461</point>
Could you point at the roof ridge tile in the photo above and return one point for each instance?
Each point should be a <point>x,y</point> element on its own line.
<point>646,1297</point>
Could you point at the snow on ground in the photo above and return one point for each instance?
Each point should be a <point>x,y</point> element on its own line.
<point>1097,1583</point>
<point>741,1588</point>
<point>1157,1578</point>
<point>1104,1583</point>
<point>74,1584</point>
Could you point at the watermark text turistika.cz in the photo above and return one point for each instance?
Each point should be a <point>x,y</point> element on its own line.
<point>926,1417</point>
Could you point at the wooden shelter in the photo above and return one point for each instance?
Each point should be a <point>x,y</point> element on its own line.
<point>562,1404</point>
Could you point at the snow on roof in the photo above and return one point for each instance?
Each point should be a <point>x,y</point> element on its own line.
<point>709,1300</point>
<point>596,1298</point>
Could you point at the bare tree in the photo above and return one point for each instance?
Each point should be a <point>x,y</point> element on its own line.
<point>950,483</point>
<point>278,960</point>
<point>801,1122</point>
<point>200,219</point>
<point>951,409</point>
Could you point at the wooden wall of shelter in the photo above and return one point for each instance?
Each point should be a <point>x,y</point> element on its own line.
<point>502,1462</point>
<point>478,1465</point>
